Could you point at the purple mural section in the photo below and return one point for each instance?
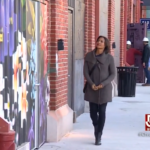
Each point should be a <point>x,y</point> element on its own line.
<point>136,33</point>
<point>8,27</point>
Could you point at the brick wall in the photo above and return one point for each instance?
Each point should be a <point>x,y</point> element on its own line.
<point>137,11</point>
<point>89,25</point>
<point>58,29</point>
<point>143,12</point>
<point>130,11</point>
<point>97,14</point>
<point>86,28</point>
<point>122,32</point>
<point>111,22</point>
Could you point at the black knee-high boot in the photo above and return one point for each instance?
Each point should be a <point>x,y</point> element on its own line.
<point>98,138</point>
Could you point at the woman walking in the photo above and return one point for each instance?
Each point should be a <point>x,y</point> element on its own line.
<point>99,72</point>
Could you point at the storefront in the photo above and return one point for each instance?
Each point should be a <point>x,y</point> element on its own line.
<point>23,69</point>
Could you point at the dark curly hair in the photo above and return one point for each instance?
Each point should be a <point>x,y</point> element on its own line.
<point>107,44</point>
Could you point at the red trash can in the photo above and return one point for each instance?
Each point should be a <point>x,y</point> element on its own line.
<point>7,140</point>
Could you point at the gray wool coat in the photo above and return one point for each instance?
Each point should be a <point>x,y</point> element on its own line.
<point>104,73</point>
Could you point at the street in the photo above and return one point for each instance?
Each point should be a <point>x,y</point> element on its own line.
<point>125,119</point>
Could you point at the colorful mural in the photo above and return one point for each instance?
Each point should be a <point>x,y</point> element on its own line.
<point>43,73</point>
<point>20,69</point>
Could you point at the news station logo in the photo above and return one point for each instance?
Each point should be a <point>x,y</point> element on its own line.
<point>147,122</point>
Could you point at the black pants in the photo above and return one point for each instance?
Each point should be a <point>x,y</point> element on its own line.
<point>97,114</point>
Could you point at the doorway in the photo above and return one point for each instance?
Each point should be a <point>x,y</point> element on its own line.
<point>70,57</point>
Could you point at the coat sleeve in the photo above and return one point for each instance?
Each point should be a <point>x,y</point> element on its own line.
<point>111,72</point>
<point>137,52</point>
<point>86,73</point>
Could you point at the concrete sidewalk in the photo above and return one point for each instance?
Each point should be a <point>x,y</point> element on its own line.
<point>125,119</point>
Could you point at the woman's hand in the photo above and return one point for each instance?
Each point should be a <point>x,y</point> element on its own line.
<point>94,87</point>
<point>149,68</point>
<point>100,86</point>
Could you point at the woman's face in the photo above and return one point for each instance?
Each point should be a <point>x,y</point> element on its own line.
<point>100,44</point>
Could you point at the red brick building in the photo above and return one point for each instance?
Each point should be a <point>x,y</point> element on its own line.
<point>79,23</point>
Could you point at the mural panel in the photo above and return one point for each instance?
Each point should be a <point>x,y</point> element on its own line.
<point>18,69</point>
<point>43,73</point>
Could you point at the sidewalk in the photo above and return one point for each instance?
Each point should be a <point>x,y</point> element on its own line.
<point>124,120</point>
